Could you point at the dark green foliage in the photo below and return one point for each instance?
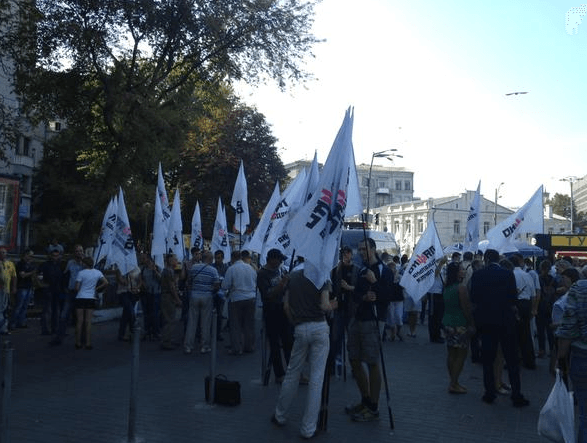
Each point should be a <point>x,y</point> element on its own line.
<point>133,80</point>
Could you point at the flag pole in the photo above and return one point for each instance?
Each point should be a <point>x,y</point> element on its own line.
<point>383,369</point>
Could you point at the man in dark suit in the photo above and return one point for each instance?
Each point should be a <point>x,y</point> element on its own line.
<point>493,294</point>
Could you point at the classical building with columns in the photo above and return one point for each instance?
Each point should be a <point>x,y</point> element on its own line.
<point>407,221</point>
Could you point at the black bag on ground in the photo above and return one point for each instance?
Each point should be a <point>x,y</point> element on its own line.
<point>226,392</point>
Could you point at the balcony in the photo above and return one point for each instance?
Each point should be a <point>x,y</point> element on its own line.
<point>383,191</point>
<point>23,160</point>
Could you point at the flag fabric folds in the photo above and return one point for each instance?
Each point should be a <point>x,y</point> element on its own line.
<point>107,231</point>
<point>220,239</point>
<point>313,178</point>
<point>472,234</point>
<point>419,275</point>
<point>240,201</point>
<point>197,240</point>
<point>158,248</point>
<point>528,219</point>
<point>277,235</point>
<point>162,193</point>
<point>122,251</point>
<point>316,228</point>
<point>174,237</point>
<point>255,243</point>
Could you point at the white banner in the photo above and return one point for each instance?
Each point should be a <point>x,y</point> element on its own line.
<point>528,219</point>
<point>255,244</point>
<point>240,201</point>
<point>174,237</point>
<point>472,234</point>
<point>197,239</point>
<point>122,250</point>
<point>220,235</point>
<point>419,275</point>
<point>106,232</point>
<point>316,228</point>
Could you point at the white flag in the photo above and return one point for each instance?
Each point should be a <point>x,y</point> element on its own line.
<point>122,250</point>
<point>419,275</point>
<point>240,201</point>
<point>316,228</point>
<point>158,249</point>
<point>174,237</point>
<point>528,219</point>
<point>354,205</point>
<point>162,193</point>
<point>197,240</point>
<point>472,234</point>
<point>220,239</point>
<point>106,232</point>
<point>277,236</point>
<point>313,178</point>
<point>256,241</point>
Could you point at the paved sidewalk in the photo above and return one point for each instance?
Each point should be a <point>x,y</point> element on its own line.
<point>63,395</point>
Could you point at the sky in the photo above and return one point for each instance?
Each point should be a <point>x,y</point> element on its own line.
<point>429,78</point>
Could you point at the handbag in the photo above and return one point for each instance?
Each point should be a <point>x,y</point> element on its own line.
<point>226,392</point>
<point>556,421</point>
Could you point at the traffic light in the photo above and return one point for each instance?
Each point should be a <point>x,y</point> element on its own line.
<point>377,218</point>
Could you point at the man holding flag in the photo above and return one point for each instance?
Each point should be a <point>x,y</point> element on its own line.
<point>371,297</point>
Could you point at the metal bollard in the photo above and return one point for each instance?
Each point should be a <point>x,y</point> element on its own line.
<point>134,382</point>
<point>213,345</point>
<point>7,351</point>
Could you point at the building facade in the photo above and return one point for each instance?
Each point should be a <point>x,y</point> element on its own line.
<point>21,145</point>
<point>407,221</point>
<point>388,184</point>
<point>580,195</point>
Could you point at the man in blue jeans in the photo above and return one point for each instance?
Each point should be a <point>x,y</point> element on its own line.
<point>304,306</point>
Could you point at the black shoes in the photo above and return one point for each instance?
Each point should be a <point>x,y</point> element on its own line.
<point>489,399</point>
<point>520,402</point>
<point>276,422</point>
<point>517,402</point>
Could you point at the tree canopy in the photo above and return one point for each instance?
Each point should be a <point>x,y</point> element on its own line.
<point>133,83</point>
<point>561,205</point>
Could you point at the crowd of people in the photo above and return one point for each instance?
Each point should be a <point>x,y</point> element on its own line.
<point>492,305</point>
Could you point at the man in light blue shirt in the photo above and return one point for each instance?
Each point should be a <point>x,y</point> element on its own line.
<point>202,281</point>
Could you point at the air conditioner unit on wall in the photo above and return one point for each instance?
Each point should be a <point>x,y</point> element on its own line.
<point>55,126</point>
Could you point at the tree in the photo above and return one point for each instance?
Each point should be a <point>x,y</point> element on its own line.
<point>211,158</point>
<point>561,205</point>
<point>125,76</point>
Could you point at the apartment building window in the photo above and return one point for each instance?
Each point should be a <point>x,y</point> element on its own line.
<point>457,227</point>
<point>407,185</point>
<point>398,185</point>
<point>486,227</point>
<point>420,226</point>
<point>396,227</point>
<point>408,226</point>
<point>23,145</point>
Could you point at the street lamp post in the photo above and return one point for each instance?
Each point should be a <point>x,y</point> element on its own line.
<point>571,180</point>
<point>495,205</point>
<point>388,154</point>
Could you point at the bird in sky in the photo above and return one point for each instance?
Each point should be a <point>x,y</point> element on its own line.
<point>517,93</point>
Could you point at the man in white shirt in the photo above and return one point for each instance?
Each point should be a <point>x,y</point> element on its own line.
<point>240,282</point>
<point>525,304</point>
